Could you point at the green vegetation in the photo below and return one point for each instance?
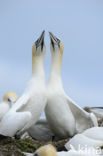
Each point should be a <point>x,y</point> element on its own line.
<point>10,146</point>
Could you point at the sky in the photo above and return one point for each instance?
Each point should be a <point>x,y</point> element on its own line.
<point>78,23</point>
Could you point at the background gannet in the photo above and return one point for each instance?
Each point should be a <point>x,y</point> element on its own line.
<point>7,101</point>
<point>49,150</point>
<point>46,150</point>
<point>41,131</point>
<point>92,137</point>
<point>82,141</point>
<point>94,133</point>
<point>98,111</point>
<point>64,116</point>
<point>30,105</point>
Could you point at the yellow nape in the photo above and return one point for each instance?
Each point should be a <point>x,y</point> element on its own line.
<point>34,59</point>
<point>47,150</point>
<point>61,47</point>
<point>11,95</point>
<point>61,51</point>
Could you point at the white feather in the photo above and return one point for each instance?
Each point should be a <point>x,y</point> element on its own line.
<point>82,141</point>
<point>27,110</point>
<point>84,120</point>
<point>64,116</point>
<point>4,107</point>
<point>94,133</point>
<point>78,153</point>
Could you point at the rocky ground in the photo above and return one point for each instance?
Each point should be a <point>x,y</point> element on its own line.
<point>12,147</point>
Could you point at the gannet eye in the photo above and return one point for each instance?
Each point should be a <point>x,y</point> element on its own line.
<point>8,100</point>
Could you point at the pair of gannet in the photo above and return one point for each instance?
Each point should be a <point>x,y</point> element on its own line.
<point>28,108</point>
<point>64,116</point>
<point>8,101</point>
<point>49,150</point>
<point>92,137</point>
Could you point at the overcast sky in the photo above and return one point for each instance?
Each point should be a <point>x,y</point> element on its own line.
<point>78,23</point>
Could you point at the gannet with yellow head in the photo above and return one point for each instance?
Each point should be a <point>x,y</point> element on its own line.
<point>7,102</point>
<point>30,105</point>
<point>64,116</point>
<point>10,98</point>
<point>49,150</point>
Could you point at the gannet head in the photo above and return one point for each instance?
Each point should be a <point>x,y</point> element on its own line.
<point>56,46</point>
<point>39,48</point>
<point>47,150</point>
<point>10,98</point>
<point>38,53</point>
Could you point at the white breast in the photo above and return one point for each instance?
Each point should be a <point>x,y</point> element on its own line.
<point>59,115</point>
<point>4,107</point>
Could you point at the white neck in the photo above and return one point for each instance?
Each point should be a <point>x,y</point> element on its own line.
<point>38,67</point>
<point>55,73</point>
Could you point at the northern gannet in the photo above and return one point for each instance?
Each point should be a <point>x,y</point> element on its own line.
<point>7,102</point>
<point>30,105</point>
<point>41,131</point>
<point>98,111</point>
<point>92,137</point>
<point>64,116</point>
<point>94,133</point>
<point>49,150</point>
<point>82,141</point>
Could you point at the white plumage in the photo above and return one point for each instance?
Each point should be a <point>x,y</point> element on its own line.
<point>82,141</point>
<point>92,137</point>
<point>64,116</point>
<point>78,153</point>
<point>30,105</point>
<point>94,133</point>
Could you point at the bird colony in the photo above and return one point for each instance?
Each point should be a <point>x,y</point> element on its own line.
<point>63,117</point>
